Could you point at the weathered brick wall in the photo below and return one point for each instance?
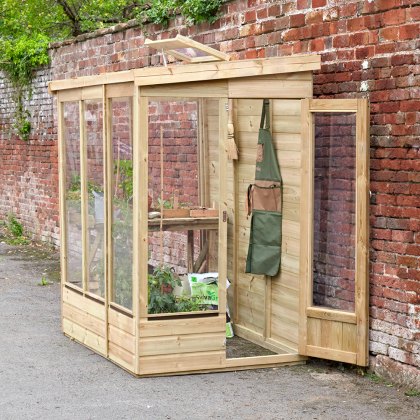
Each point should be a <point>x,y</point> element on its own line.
<point>368,48</point>
<point>29,170</point>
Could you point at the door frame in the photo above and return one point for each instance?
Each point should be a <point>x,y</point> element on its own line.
<point>350,329</point>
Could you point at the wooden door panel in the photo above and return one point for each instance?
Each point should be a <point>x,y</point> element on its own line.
<point>334,230</point>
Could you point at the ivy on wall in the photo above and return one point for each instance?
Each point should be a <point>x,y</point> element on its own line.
<point>28,26</point>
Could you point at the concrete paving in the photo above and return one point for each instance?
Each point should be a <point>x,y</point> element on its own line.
<point>44,375</point>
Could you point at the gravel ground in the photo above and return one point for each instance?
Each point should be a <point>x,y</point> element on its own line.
<point>45,375</point>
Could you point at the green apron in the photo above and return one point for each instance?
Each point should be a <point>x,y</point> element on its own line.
<point>264,201</point>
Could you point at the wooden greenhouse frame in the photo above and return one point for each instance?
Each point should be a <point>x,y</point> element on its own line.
<point>275,313</point>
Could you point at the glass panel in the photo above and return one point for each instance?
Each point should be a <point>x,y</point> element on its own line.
<point>334,210</point>
<point>183,243</point>
<point>73,226</point>
<point>122,199</point>
<point>93,119</point>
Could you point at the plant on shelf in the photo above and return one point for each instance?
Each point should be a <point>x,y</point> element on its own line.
<point>161,284</point>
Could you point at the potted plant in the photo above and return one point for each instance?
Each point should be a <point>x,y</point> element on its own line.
<point>161,284</point>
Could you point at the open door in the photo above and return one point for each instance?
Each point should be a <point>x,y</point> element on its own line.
<point>334,230</point>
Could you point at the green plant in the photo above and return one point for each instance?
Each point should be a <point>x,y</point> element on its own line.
<point>20,57</point>
<point>161,284</point>
<point>194,11</point>
<point>123,169</point>
<point>15,228</point>
<point>43,282</point>
<point>412,393</point>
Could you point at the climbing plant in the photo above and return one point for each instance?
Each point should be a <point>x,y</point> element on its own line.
<point>28,26</point>
<point>19,59</point>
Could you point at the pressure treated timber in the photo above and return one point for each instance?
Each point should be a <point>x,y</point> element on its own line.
<point>248,87</point>
<point>212,89</point>
<point>84,336</point>
<point>121,356</point>
<point>164,327</point>
<point>321,313</point>
<point>175,363</point>
<point>195,72</point>
<point>121,321</point>
<point>122,339</point>
<point>266,309</point>
<point>171,45</point>
<point>225,70</point>
<point>62,203</point>
<point>362,229</point>
<point>337,355</point>
<point>326,332</point>
<point>177,344</point>
<point>264,361</point>
<point>120,90</point>
<point>87,305</point>
<point>84,319</point>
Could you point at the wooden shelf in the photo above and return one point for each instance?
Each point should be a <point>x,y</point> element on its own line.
<point>187,223</point>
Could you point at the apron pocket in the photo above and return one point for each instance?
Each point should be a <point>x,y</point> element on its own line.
<point>264,250</point>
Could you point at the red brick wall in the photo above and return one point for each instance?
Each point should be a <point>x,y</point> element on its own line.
<point>29,170</point>
<point>368,48</point>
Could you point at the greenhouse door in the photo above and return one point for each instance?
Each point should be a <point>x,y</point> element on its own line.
<point>334,230</point>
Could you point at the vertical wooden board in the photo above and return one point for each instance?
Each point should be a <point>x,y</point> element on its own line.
<point>306,326</point>
<point>84,193</point>
<point>349,337</point>
<point>285,313</point>
<point>140,259</point>
<point>222,237</point>
<point>314,332</point>
<point>287,299</point>
<point>283,329</point>
<point>331,334</point>
<point>251,311</point>
<point>62,199</point>
<point>287,279</point>
<point>362,231</point>
<point>286,138</point>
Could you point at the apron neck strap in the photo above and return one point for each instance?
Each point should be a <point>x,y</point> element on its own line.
<point>265,114</point>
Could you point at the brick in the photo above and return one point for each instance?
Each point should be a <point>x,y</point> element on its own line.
<point>390,33</point>
<point>302,4</point>
<point>394,17</point>
<point>318,3</point>
<point>297,20</point>
<point>410,31</point>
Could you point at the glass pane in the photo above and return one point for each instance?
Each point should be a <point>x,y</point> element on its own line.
<point>73,226</point>
<point>182,226</point>
<point>122,199</point>
<point>93,119</point>
<point>334,210</point>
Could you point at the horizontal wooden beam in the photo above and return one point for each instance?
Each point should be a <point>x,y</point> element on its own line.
<point>195,72</point>
<point>331,315</point>
<point>225,70</point>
